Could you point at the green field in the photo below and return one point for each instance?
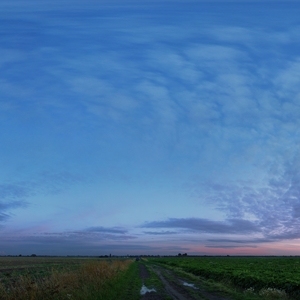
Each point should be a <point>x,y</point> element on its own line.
<point>252,274</point>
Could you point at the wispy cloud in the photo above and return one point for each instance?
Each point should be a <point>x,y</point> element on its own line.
<point>89,241</point>
<point>199,82</point>
<point>100,229</point>
<point>17,194</point>
<point>12,196</point>
<point>3,216</point>
<point>266,214</point>
<point>273,207</point>
<point>43,182</point>
<point>11,191</point>
<point>160,232</point>
<point>229,226</point>
<point>55,182</point>
<point>230,246</point>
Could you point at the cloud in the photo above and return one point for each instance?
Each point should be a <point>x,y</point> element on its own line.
<point>12,196</point>
<point>267,212</point>
<point>244,240</point>
<point>3,216</point>
<point>12,204</point>
<point>253,37</point>
<point>17,194</point>
<point>90,241</point>
<point>287,83</point>
<point>101,229</point>
<point>230,246</point>
<point>8,206</point>
<point>97,233</point>
<point>214,85</point>
<point>58,246</point>
<point>45,182</point>
<point>230,226</point>
<point>50,182</point>
<point>160,232</point>
<point>273,206</point>
<point>13,191</point>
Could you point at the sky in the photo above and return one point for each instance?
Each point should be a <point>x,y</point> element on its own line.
<point>149,127</point>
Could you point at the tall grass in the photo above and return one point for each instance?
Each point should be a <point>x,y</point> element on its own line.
<point>90,281</point>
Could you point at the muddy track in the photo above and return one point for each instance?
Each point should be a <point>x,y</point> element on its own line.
<point>175,287</point>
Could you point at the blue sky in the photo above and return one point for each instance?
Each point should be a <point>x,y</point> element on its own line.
<point>152,127</point>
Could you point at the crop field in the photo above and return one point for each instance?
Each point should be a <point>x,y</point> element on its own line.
<point>210,278</point>
<point>277,276</point>
<point>67,278</point>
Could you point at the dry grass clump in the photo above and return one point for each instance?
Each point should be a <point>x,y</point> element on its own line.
<point>272,293</point>
<point>268,293</point>
<point>250,290</point>
<point>90,278</point>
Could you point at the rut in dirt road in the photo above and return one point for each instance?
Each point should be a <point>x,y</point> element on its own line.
<point>144,274</point>
<point>177,292</point>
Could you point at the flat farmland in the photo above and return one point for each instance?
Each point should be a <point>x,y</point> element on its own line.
<point>68,278</point>
<point>160,278</point>
<point>267,277</point>
<point>12,268</point>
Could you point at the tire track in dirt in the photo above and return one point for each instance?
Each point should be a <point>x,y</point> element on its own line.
<point>144,274</point>
<point>175,291</point>
<point>174,288</point>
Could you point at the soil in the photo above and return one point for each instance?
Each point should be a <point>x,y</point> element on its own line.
<point>144,273</point>
<point>174,287</point>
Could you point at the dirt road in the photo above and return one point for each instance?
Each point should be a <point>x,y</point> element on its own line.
<point>175,287</point>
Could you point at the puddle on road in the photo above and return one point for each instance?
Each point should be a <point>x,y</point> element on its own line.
<point>190,285</point>
<point>145,290</point>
